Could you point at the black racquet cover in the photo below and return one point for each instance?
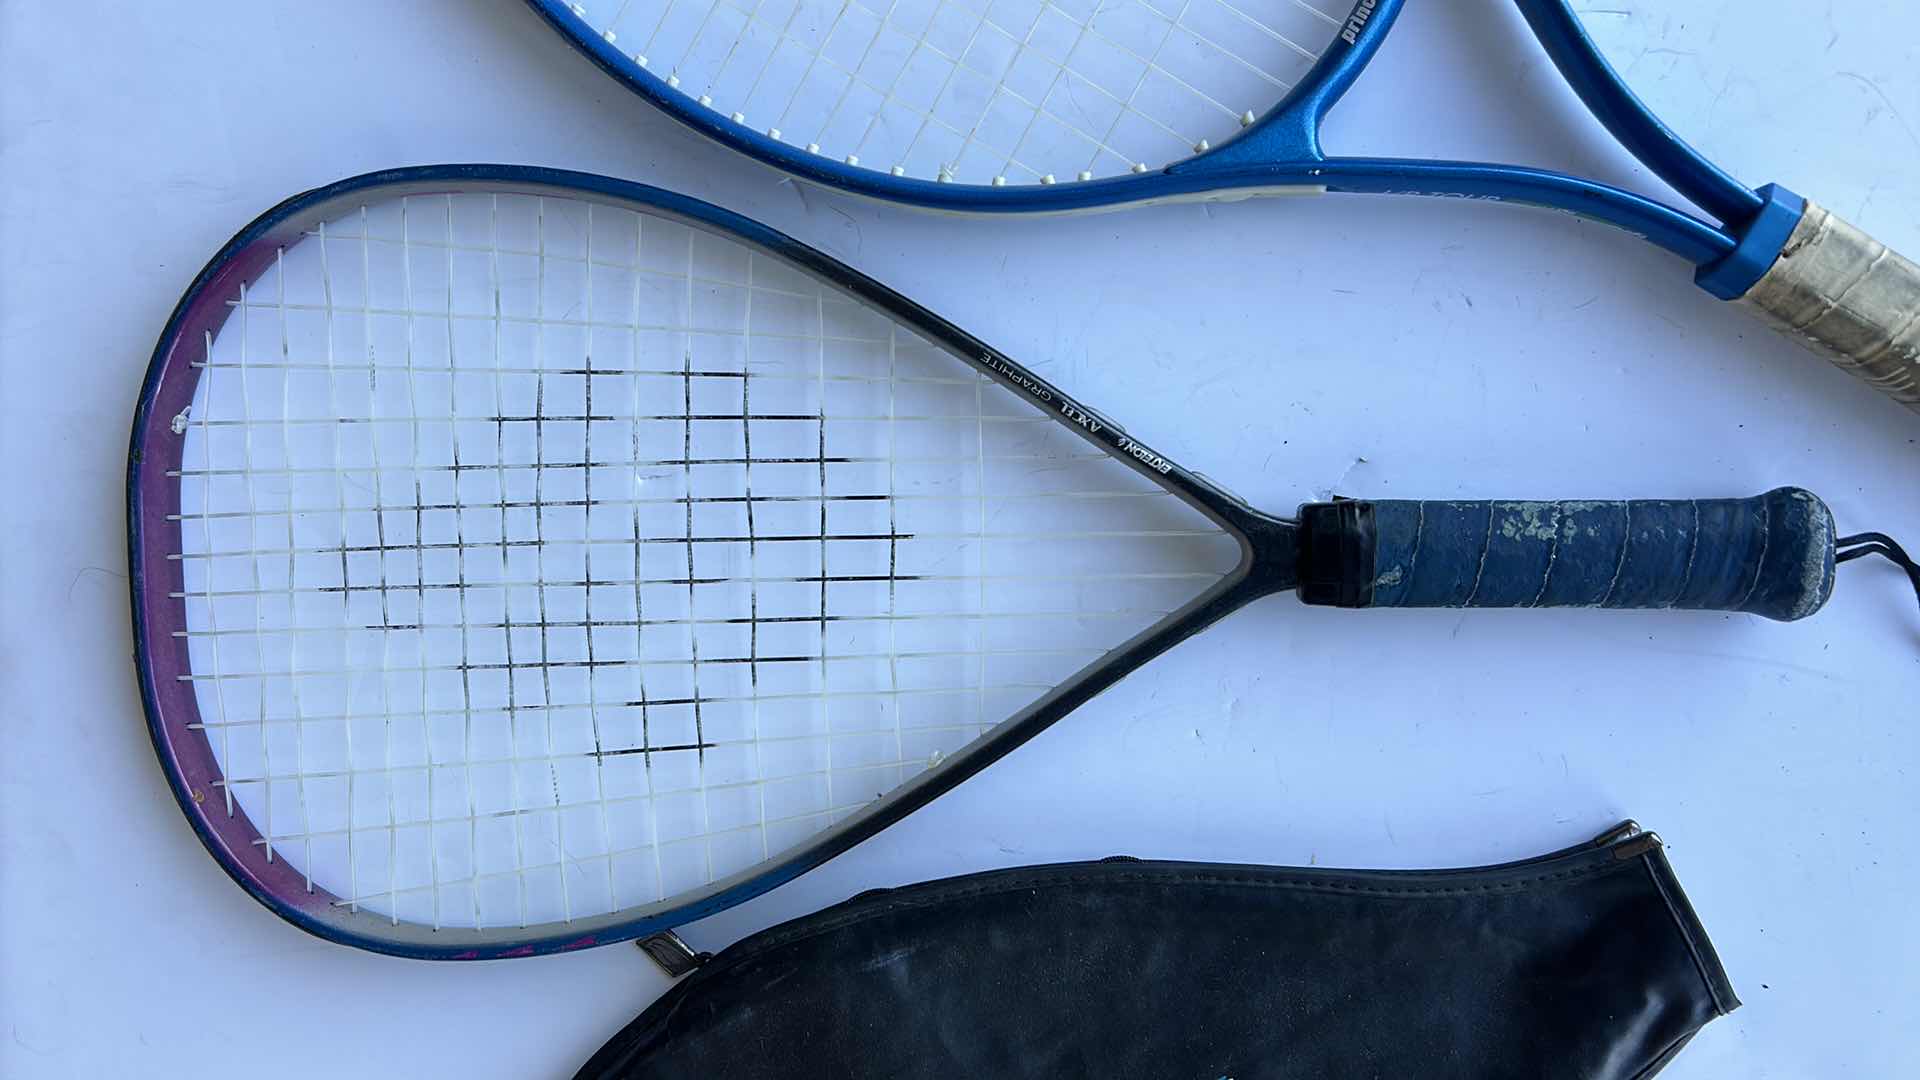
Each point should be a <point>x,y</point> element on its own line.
<point>1585,963</point>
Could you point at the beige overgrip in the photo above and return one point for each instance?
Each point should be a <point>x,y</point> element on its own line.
<point>1849,298</point>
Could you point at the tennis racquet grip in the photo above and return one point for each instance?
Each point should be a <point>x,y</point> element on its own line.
<point>1770,555</point>
<point>1849,298</point>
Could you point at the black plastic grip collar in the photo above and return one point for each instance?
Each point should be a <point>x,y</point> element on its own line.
<point>1336,553</point>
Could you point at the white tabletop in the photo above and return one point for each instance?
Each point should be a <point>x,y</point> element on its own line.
<point>1287,348</point>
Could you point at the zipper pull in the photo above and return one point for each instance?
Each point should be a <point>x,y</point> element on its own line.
<point>673,955</point>
<point>1626,830</point>
<point>1627,840</point>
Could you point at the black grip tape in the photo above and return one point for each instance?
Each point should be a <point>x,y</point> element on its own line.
<point>1771,555</point>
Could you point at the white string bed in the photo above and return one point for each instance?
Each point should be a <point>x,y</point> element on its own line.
<point>545,559</point>
<point>981,91</point>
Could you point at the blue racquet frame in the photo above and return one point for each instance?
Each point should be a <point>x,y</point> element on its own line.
<point>1281,150</point>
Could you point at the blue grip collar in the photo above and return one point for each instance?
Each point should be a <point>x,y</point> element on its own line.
<point>1759,243</point>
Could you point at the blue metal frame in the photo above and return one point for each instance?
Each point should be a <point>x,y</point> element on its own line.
<point>1627,118</point>
<point>1282,149</point>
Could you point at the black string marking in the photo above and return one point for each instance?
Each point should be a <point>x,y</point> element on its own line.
<point>539,524</point>
<point>503,466</point>
<point>647,752</point>
<point>523,504</point>
<point>737,620</point>
<point>807,579</point>
<point>593,714</point>
<point>822,446</point>
<point>639,604</point>
<point>591,416</point>
<point>453,545</point>
<point>687,462</point>
<point>753,556</point>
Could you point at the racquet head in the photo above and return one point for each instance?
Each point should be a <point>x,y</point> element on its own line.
<point>525,560</point>
<point>942,102</point>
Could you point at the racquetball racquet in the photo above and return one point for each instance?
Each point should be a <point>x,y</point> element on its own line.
<point>1054,105</point>
<point>525,560</point>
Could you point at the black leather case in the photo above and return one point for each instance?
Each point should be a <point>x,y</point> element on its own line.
<point>1584,963</point>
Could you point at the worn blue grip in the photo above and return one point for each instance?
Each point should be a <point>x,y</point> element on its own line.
<point>1772,555</point>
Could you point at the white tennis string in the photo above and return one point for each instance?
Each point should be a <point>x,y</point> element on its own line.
<point>980,91</point>
<point>545,559</point>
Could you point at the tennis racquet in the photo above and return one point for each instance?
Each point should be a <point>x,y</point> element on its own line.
<point>525,560</point>
<point>1053,105</point>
